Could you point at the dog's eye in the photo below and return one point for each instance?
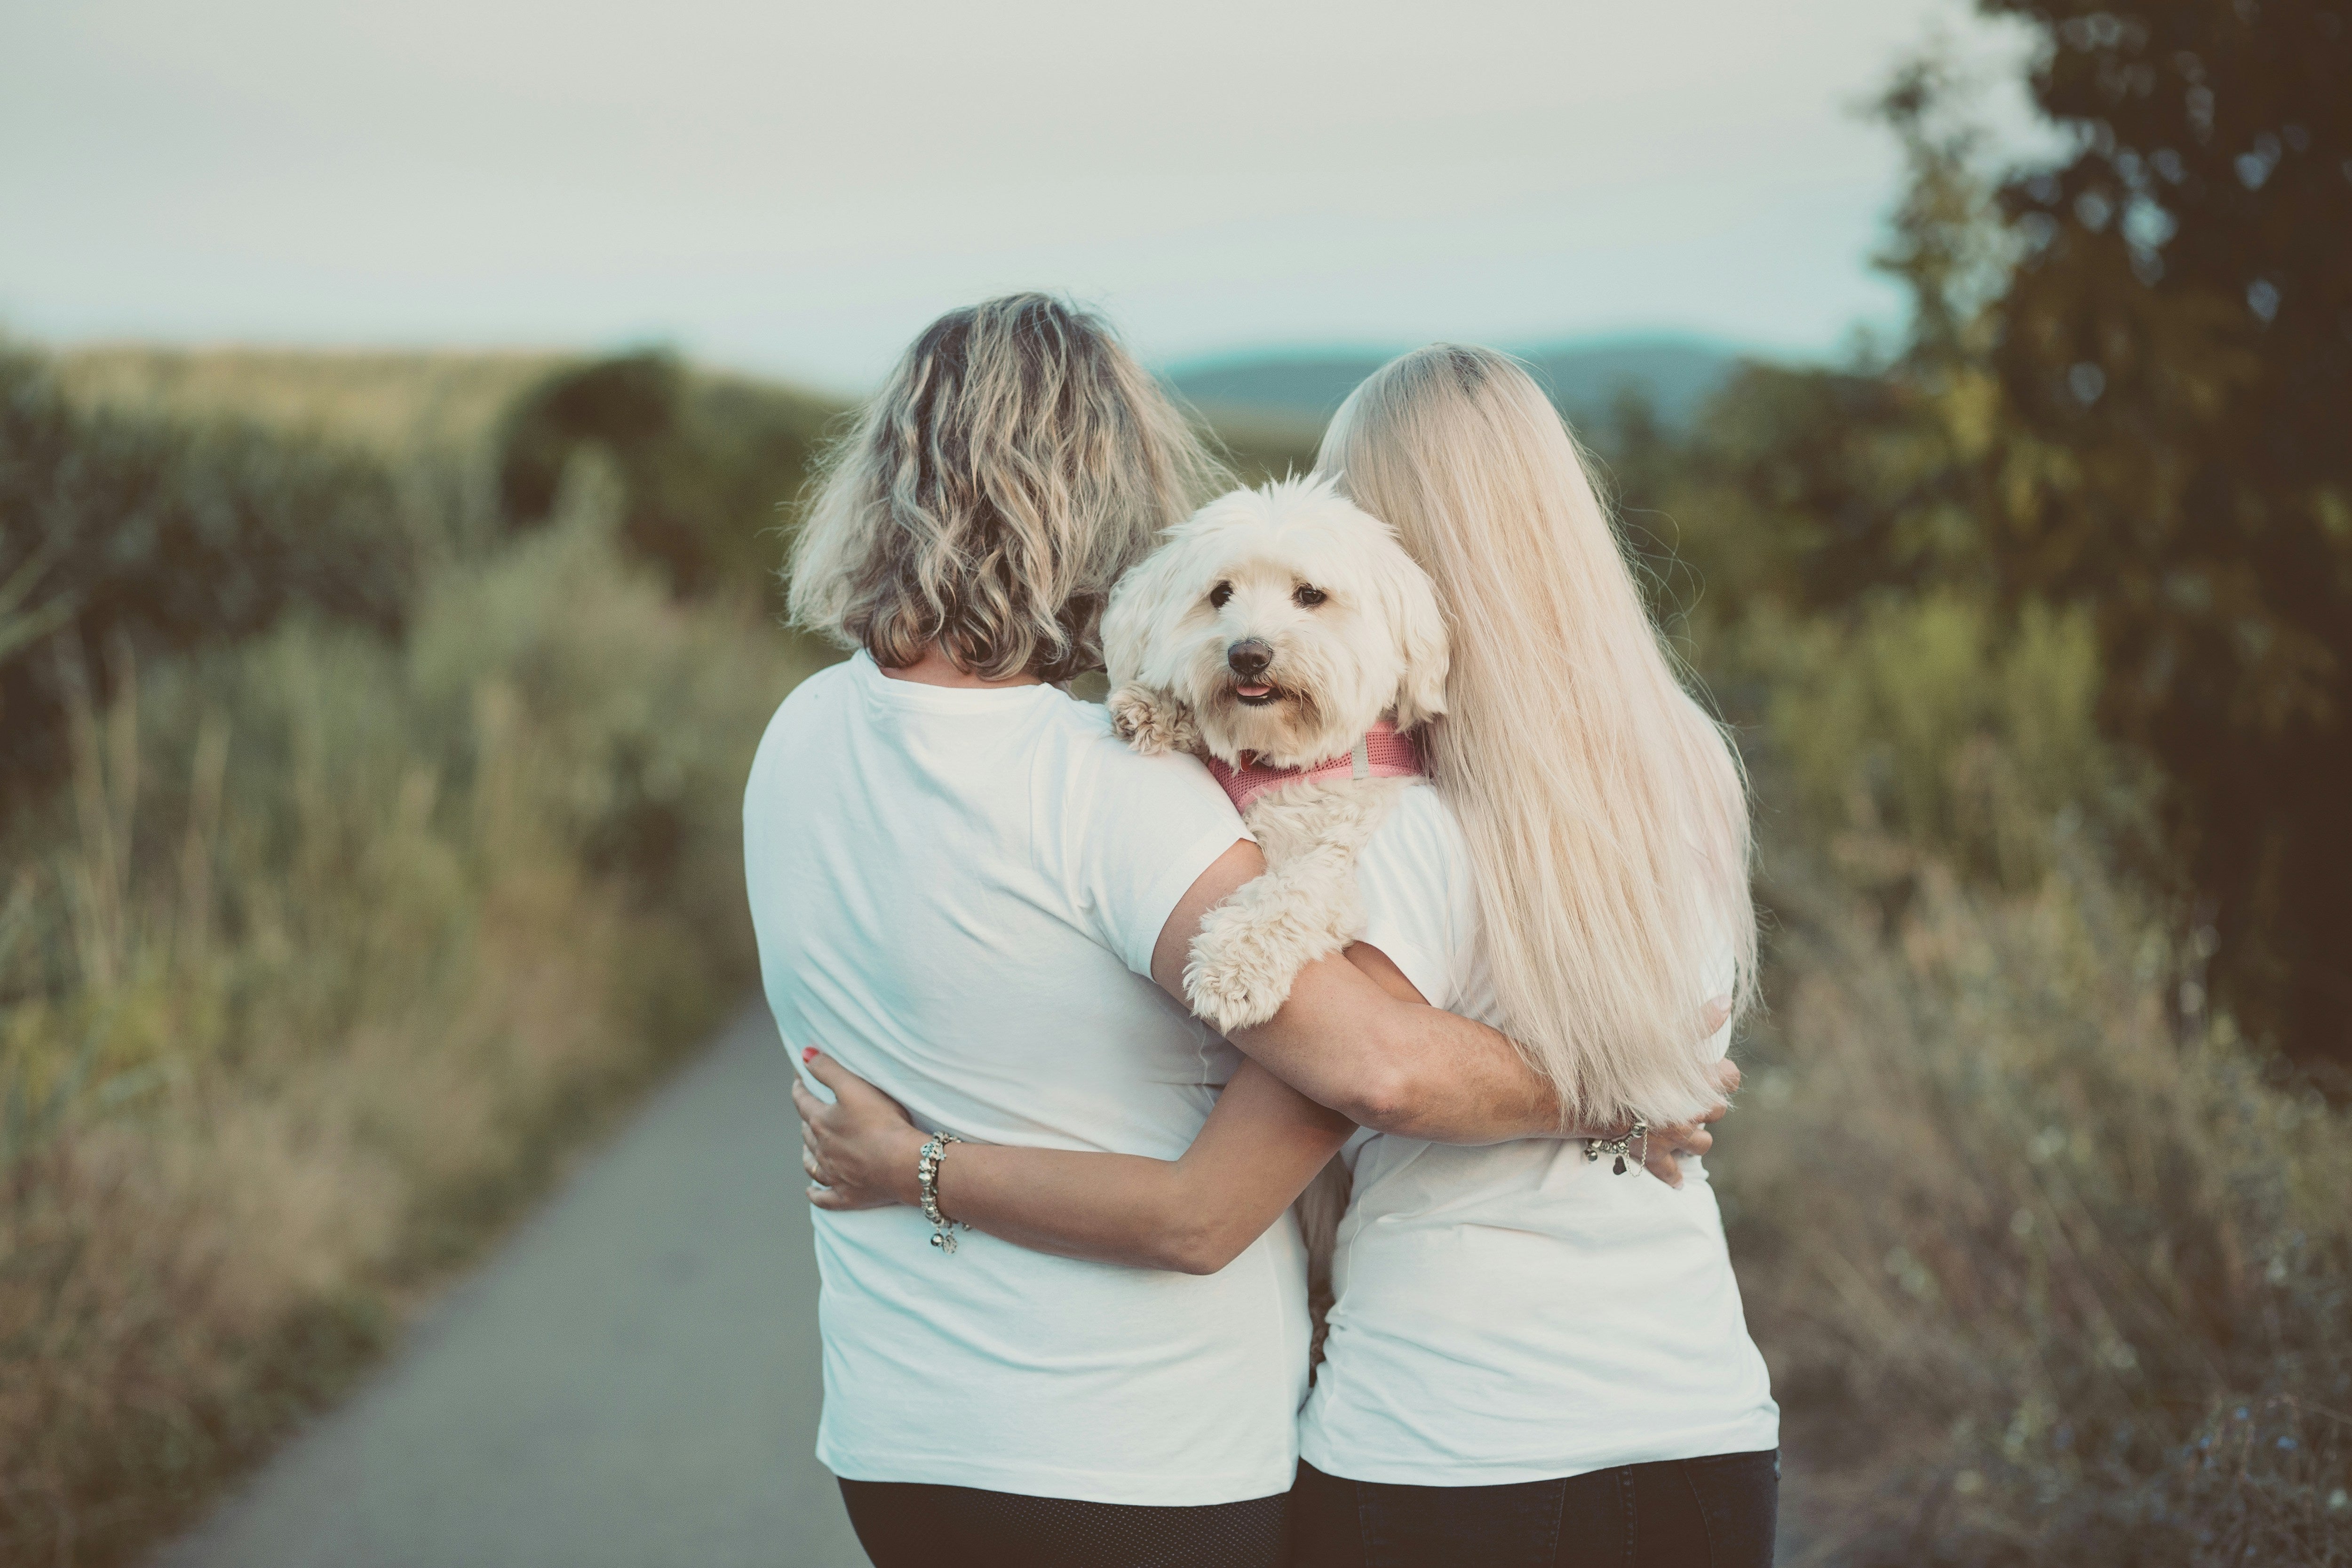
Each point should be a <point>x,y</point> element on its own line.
<point>1219,595</point>
<point>1308,596</point>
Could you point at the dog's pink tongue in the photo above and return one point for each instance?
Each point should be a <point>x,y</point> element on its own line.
<point>1253,691</point>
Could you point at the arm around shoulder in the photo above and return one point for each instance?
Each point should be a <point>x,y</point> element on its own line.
<point>1193,1214</point>
<point>1261,1145</point>
<point>1366,1046</point>
<point>1369,1047</point>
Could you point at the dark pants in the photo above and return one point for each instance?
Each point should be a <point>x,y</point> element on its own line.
<point>905,1525</point>
<point>1716,1512</point>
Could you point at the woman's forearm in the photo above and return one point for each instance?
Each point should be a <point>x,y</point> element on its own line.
<point>1113,1208</point>
<point>1450,1080</point>
<point>1358,1037</point>
<point>1366,1045</point>
<point>1260,1147</point>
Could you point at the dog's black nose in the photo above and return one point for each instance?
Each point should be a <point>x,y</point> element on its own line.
<point>1249,658</point>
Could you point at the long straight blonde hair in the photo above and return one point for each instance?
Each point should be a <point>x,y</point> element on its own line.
<point>1606,813</point>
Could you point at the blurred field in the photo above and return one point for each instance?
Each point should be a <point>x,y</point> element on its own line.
<point>395,403</point>
<point>333,943</point>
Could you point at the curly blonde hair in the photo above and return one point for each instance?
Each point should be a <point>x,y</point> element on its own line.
<point>1015,464</point>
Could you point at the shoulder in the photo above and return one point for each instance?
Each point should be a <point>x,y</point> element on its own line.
<point>1118,777</point>
<point>1082,725</point>
<point>1126,834</point>
<point>807,705</point>
<point>816,692</point>
<point>1419,907</point>
<point>1420,830</point>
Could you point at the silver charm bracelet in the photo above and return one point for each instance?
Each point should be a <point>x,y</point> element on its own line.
<point>927,1180</point>
<point>1622,1147</point>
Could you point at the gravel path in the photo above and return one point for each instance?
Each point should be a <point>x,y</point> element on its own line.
<point>632,1381</point>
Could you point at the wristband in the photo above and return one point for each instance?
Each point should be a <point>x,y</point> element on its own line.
<point>1623,1147</point>
<point>927,1182</point>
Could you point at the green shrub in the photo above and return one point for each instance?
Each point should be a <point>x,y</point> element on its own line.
<point>331,950</point>
<point>2049,1268</point>
<point>706,464</point>
<point>137,537</point>
<point>2046,1269</point>
<point>1937,721</point>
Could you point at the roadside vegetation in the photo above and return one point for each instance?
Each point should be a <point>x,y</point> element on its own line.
<point>326,934</point>
<point>2033,629</point>
<point>2049,1262</point>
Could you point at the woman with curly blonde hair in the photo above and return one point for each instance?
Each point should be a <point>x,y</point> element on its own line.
<point>980,900</point>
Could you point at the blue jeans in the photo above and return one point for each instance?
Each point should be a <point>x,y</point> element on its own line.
<point>1714,1512</point>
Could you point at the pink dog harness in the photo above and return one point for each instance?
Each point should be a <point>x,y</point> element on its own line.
<point>1384,751</point>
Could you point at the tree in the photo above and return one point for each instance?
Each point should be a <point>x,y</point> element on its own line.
<point>2174,347</point>
<point>706,463</point>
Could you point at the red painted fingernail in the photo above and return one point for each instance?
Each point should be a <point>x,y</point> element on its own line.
<point>808,1055</point>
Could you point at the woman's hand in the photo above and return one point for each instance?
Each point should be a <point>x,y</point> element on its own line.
<point>860,1151</point>
<point>1662,1150</point>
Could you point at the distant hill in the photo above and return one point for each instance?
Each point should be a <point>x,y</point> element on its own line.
<point>1583,376</point>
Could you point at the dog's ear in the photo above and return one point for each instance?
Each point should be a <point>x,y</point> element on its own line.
<point>1419,630</point>
<point>1132,620</point>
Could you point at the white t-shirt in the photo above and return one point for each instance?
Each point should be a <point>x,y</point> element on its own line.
<point>957,893</point>
<point>1514,1313</point>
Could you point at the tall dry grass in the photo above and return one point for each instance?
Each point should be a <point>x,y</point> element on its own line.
<point>330,953</point>
<point>2049,1265</point>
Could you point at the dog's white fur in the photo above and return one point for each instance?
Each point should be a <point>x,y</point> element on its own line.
<point>1248,566</point>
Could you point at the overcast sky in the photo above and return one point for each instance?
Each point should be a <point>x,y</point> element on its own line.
<point>798,188</point>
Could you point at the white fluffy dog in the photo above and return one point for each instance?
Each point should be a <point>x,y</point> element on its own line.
<point>1274,632</point>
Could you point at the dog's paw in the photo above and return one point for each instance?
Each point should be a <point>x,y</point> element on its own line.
<point>1239,969</point>
<point>1235,994</point>
<point>1153,722</point>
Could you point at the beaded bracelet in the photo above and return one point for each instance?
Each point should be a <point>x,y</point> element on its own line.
<point>927,1179</point>
<point>1622,1147</point>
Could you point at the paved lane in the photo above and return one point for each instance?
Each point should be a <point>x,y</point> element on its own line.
<point>632,1381</point>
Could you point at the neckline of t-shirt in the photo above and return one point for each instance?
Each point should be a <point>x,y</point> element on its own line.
<point>945,698</point>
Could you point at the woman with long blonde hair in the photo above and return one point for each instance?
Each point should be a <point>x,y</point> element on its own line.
<point>1520,1344</point>
<point>1530,1359</point>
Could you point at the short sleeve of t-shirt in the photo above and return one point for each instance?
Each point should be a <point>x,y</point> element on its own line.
<point>1420,908</point>
<point>1137,833</point>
